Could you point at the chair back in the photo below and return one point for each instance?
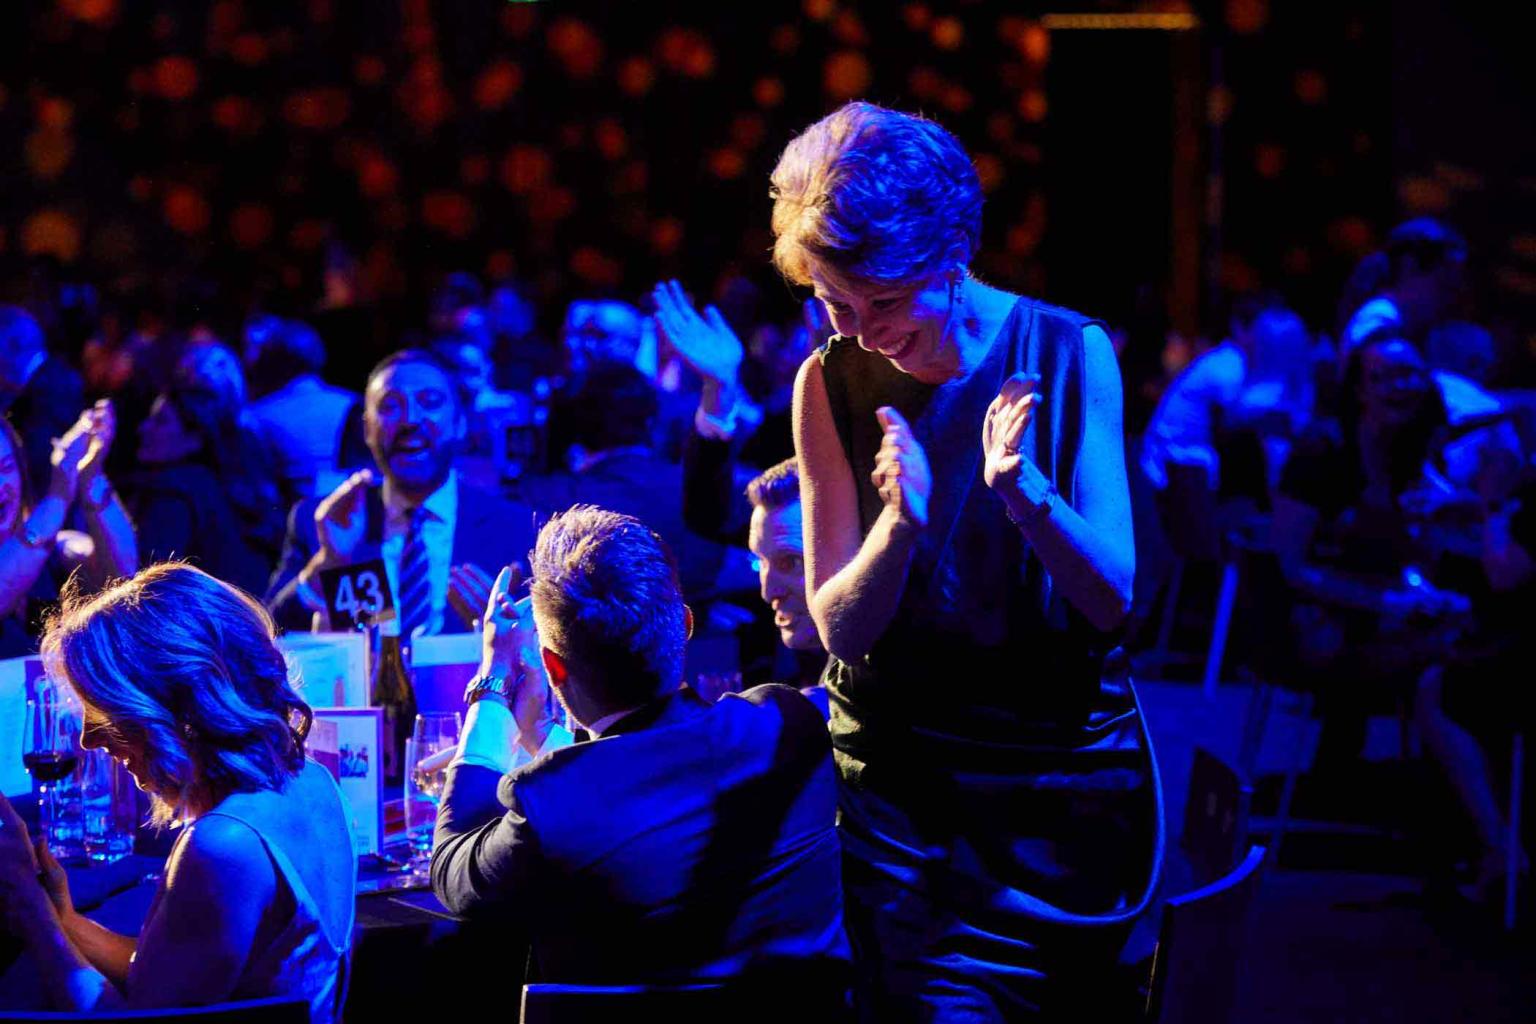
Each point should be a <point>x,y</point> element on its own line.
<point>277,1010</point>
<point>1200,947</point>
<point>1215,817</point>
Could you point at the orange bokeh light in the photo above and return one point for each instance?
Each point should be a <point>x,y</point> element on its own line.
<point>666,235</point>
<point>576,46</point>
<point>990,170</point>
<point>185,210</point>
<point>947,33</point>
<point>51,233</point>
<point>1311,87</point>
<point>250,49</point>
<point>497,84</point>
<point>917,16</point>
<point>610,139</point>
<point>323,109</point>
<point>377,177</point>
<point>1035,44</point>
<point>308,235</point>
<point>819,10</point>
<point>846,75</point>
<point>636,76</point>
<point>48,152</point>
<point>251,225</point>
<point>369,69</point>
<point>595,267</point>
<point>95,12</point>
<point>448,212</point>
<point>1246,17</point>
<point>500,265</point>
<point>174,78</point>
<point>768,92</point>
<point>1033,107</point>
<point>525,169</point>
<point>726,163</point>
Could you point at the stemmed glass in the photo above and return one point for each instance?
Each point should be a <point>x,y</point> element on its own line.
<point>431,746</point>
<point>49,750</point>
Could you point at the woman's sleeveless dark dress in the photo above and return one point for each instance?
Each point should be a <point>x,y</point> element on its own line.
<point>1000,812</point>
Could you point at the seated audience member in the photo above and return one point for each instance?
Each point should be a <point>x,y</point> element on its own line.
<point>39,393</point>
<point>34,557</point>
<point>1258,379</point>
<point>207,364</point>
<point>612,417</point>
<point>1478,697</point>
<point>433,531</point>
<point>685,841</point>
<point>778,546</point>
<point>595,333</point>
<point>1349,544</point>
<point>1415,286</point>
<point>198,497</point>
<point>733,430</point>
<point>1410,286</point>
<point>178,677</point>
<point>299,413</point>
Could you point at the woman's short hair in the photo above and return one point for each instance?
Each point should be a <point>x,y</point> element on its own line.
<point>874,195</point>
<point>185,668</point>
<point>607,598</point>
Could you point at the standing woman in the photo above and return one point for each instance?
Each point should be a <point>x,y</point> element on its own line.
<point>968,553</point>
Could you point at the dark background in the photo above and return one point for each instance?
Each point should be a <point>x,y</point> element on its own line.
<point>198,160</point>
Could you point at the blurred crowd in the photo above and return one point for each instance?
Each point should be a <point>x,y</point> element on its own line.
<point>1378,493</point>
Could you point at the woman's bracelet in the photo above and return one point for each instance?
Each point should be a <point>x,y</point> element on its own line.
<point>1036,515</point>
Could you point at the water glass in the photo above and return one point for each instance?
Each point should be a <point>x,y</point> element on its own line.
<point>109,805</point>
<point>430,748</point>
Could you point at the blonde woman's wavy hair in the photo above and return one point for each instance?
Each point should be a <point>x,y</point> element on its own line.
<point>874,195</point>
<point>183,667</point>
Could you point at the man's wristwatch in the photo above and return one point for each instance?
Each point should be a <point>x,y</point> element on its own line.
<point>490,685</point>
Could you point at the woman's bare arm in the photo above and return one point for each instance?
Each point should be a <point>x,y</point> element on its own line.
<point>1088,547</point>
<point>854,584</point>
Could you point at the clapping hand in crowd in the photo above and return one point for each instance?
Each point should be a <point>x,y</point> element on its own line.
<point>469,592</point>
<point>510,647</point>
<point>340,520</point>
<point>705,342</point>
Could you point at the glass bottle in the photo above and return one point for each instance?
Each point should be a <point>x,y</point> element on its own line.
<point>395,692</point>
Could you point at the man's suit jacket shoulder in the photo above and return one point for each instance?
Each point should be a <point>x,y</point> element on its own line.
<point>769,741</point>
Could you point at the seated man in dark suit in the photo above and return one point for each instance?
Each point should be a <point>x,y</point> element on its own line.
<point>684,842</point>
<point>431,529</point>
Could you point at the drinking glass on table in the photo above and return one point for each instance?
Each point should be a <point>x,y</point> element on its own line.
<point>430,747</point>
<point>50,752</point>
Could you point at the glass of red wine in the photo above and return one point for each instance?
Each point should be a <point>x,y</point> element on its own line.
<point>49,749</point>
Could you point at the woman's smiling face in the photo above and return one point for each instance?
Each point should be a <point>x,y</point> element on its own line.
<point>903,322</point>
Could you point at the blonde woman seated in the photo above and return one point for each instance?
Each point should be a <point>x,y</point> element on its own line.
<point>179,678</point>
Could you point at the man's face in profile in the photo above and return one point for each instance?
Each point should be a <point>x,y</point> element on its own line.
<point>775,538</point>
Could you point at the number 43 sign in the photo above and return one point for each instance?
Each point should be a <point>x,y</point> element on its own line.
<point>358,592</point>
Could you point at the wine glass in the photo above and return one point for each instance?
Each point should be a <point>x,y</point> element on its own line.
<point>433,741</point>
<point>49,752</point>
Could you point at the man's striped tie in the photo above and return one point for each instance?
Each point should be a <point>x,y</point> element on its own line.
<point>415,590</point>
